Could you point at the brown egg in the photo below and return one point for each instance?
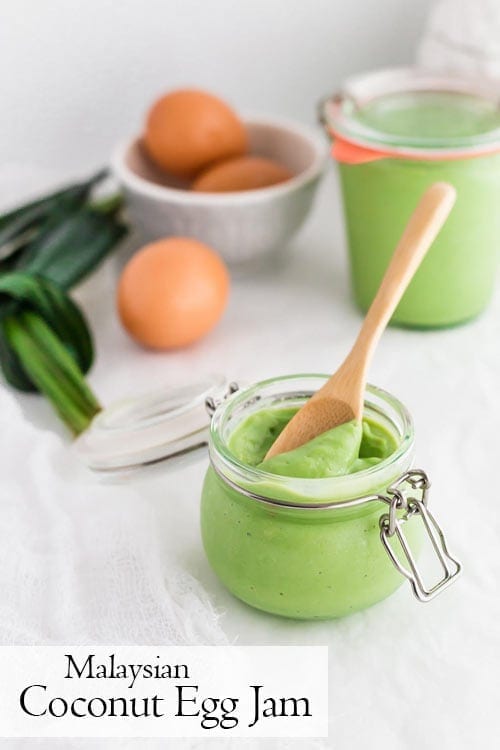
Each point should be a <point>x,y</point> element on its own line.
<point>172,292</point>
<point>187,130</point>
<point>242,173</point>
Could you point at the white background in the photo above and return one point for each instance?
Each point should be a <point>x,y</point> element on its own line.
<point>77,75</point>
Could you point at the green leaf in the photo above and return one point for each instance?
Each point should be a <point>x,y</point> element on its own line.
<point>77,192</point>
<point>22,226</point>
<point>54,306</point>
<point>45,343</point>
<point>11,367</point>
<point>51,368</point>
<point>46,247</point>
<point>72,247</point>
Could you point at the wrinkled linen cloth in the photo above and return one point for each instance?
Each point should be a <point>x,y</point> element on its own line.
<point>463,37</point>
<point>80,561</point>
<point>87,561</point>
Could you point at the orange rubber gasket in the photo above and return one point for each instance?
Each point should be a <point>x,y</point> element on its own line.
<point>347,151</point>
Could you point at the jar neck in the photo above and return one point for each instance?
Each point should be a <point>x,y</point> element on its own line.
<point>294,391</point>
<point>350,114</point>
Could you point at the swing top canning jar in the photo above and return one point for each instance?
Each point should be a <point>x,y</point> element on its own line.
<point>317,547</point>
<point>299,547</point>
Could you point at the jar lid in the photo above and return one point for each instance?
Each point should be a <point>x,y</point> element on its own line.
<point>414,113</point>
<point>150,428</point>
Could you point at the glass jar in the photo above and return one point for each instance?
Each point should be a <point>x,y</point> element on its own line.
<point>314,548</point>
<point>303,548</point>
<point>394,133</point>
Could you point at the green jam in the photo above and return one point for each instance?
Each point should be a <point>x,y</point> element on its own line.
<point>456,278</point>
<point>346,449</point>
<point>301,562</point>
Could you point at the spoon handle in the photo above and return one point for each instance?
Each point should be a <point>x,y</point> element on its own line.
<point>421,231</point>
<point>341,398</point>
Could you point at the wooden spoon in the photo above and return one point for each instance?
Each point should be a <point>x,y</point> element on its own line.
<point>342,397</point>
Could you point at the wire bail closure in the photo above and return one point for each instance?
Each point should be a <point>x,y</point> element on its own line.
<point>212,403</point>
<point>391,526</point>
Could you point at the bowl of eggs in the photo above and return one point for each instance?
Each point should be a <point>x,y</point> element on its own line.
<point>242,186</point>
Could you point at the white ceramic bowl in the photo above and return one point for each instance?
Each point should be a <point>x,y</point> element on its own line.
<point>244,226</point>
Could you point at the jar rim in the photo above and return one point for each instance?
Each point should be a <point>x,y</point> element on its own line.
<point>219,450</point>
<point>337,112</point>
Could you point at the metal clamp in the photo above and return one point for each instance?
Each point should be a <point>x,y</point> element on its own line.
<point>405,498</point>
<point>211,403</point>
<point>402,506</point>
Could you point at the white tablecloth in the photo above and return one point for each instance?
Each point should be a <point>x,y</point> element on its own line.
<point>402,674</point>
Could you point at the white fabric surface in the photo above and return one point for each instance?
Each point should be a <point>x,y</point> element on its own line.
<point>402,674</point>
<point>463,37</point>
<point>81,563</point>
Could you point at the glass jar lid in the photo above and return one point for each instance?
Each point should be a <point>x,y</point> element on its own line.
<point>150,428</point>
<point>412,111</point>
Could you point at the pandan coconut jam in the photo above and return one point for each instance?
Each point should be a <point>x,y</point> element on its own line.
<point>313,533</point>
<point>394,133</point>
<point>319,532</point>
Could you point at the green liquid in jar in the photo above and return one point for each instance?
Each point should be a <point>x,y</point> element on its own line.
<point>430,115</point>
<point>456,278</point>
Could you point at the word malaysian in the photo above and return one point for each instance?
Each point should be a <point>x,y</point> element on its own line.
<point>113,670</point>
